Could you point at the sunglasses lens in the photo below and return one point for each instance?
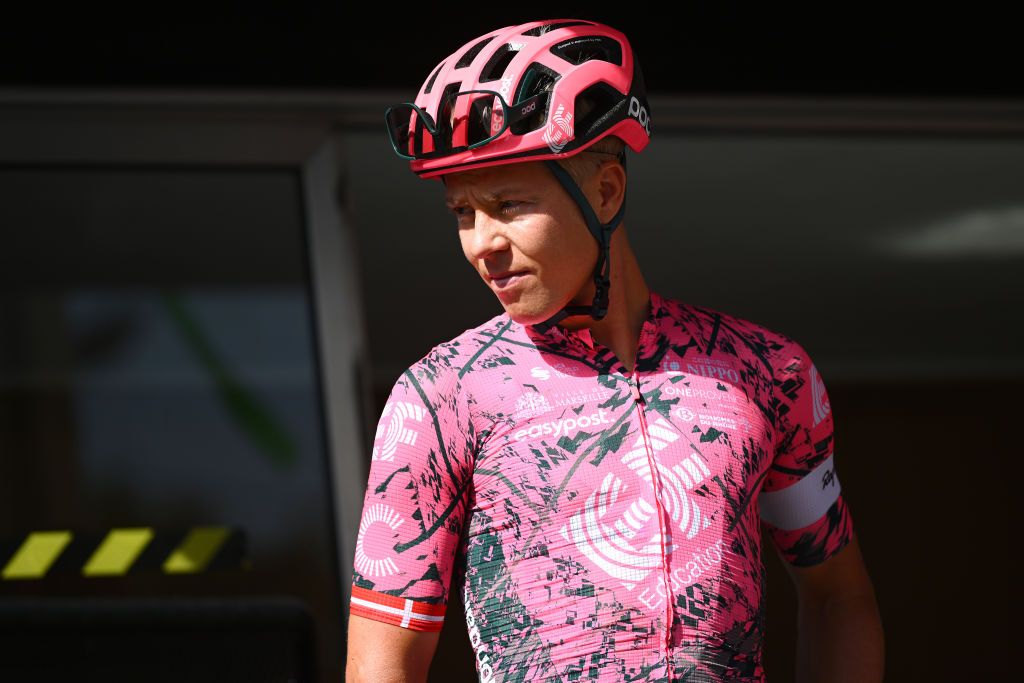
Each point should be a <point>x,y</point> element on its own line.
<point>467,120</point>
<point>480,117</point>
<point>406,130</point>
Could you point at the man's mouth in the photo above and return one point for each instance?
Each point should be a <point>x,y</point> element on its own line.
<point>509,279</point>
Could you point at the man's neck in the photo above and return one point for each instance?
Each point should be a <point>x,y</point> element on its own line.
<point>628,307</point>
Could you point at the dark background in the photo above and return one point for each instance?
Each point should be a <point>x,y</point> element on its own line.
<point>852,49</point>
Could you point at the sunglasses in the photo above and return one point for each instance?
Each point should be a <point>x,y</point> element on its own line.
<point>467,120</point>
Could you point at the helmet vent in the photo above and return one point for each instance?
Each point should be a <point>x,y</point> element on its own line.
<point>499,61</point>
<point>445,105</point>
<point>536,79</point>
<point>467,58</point>
<point>587,48</point>
<point>596,108</point>
<point>430,83</point>
<point>547,28</point>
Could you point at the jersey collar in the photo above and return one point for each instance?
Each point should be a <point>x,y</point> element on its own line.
<point>651,342</point>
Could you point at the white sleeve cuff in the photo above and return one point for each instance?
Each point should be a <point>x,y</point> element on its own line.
<point>804,502</point>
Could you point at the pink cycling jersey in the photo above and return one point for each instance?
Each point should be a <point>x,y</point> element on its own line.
<point>579,508</point>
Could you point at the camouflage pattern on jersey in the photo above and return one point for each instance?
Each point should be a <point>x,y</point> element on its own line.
<point>578,508</point>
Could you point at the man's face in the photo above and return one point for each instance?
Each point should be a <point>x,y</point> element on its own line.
<point>516,219</point>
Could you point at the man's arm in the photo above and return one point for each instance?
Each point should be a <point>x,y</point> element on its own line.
<point>840,636</point>
<point>385,653</point>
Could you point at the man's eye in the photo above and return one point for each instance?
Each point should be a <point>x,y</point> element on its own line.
<point>460,211</point>
<point>509,206</point>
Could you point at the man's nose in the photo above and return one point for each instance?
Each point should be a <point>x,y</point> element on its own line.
<point>488,235</point>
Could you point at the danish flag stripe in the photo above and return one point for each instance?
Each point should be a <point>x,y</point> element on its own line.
<point>402,612</point>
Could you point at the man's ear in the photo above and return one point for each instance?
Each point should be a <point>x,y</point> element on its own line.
<point>611,185</point>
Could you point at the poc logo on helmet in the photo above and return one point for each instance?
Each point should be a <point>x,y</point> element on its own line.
<point>640,114</point>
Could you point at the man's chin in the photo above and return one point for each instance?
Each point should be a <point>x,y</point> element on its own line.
<point>530,315</point>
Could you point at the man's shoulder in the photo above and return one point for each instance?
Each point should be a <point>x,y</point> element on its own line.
<point>709,324</point>
<point>454,357</point>
<point>707,318</point>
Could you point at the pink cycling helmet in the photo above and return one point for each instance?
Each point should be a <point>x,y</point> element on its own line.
<point>562,85</point>
<point>540,91</point>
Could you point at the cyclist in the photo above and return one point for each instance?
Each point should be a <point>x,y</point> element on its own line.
<point>590,469</point>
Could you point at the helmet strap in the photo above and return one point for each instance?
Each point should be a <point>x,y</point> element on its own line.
<point>602,232</point>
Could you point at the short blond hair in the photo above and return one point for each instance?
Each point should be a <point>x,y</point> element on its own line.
<point>581,166</point>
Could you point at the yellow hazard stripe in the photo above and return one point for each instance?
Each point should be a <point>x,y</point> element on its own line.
<point>117,552</point>
<point>196,551</point>
<point>36,554</point>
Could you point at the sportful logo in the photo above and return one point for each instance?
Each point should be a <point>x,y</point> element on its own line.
<point>819,398</point>
<point>541,372</point>
<point>559,130</point>
<point>639,113</point>
<point>391,432</point>
<point>371,566</point>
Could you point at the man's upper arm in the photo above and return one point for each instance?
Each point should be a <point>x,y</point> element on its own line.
<point>800,501</point>
<point>381,652</point>
<point>413,512</point>
<point>842,576</point>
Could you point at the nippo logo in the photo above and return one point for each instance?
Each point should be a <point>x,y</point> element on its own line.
<point>640,114</point>
<point>559,130</point>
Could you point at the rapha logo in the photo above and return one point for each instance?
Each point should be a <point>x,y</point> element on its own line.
<point>559,130</point>
<point>829,479</point>
<point>639,113</point>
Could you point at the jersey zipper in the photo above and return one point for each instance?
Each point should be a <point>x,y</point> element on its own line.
<point>662,525</point>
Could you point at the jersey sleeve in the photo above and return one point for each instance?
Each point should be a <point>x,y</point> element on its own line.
<point>416,499</point>
<point>800,501</point>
